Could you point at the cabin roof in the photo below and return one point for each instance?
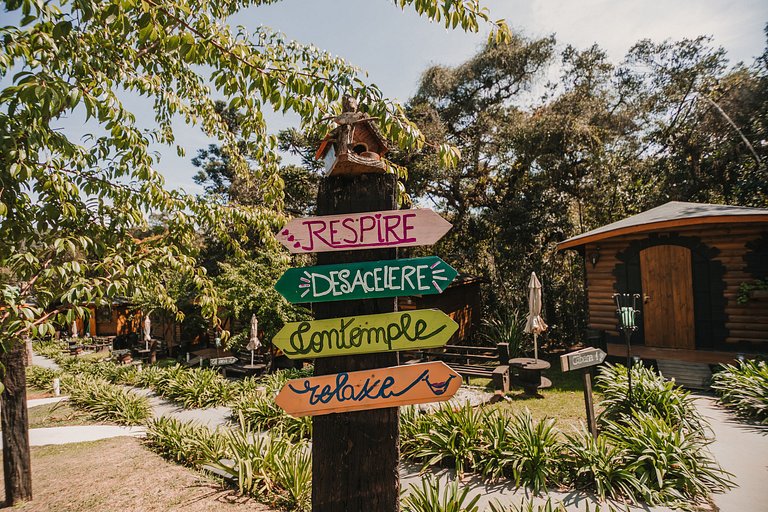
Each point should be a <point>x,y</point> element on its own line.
<point>672,214</point>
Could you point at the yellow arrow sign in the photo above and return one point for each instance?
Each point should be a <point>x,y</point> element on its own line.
<point>365,334</point>
<point>369,389</point>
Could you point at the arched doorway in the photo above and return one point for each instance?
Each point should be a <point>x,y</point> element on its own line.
<point>668,299</point>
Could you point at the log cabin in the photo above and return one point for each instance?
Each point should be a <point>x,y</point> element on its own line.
<point>693,266</point>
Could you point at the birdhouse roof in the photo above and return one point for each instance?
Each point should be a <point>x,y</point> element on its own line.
<point>331,137</point>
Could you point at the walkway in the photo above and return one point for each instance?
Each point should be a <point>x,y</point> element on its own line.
<point>741,449</point>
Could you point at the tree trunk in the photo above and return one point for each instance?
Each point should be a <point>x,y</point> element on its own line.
<point>355,455</point>
<point>16,462</point>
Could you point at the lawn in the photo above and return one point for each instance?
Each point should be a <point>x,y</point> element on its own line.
<point>564,401</point>
<point>120,474</point>
<point>60,414</point>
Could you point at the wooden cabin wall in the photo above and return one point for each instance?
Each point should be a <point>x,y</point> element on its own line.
<point>740,250</point>
<point>461,302</point>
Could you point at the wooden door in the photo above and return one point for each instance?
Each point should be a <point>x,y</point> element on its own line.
<point>667,282</point>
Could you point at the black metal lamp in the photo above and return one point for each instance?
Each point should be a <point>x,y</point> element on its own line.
<point>594,256</point>
<point>626,310</point>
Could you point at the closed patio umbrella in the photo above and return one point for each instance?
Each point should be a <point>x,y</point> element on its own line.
<point>147,331</point>
<point>535,323</point>
<point>74,329</point>
<point>254,343</point>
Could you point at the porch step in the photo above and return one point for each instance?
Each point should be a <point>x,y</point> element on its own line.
<point>688,375</point>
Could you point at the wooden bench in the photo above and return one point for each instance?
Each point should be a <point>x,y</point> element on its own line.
<point>469,361</point>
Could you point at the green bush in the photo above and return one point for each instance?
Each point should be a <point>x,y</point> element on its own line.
<point>530,452</point>
<point>651,393</point>
<point>52,349</point>
<point>528,506</point>
<point>105,401</point>
<point>193,388</point>
<point>507,326</point>
<point>185,443</point>
<point>597,466</point>
<point>455,437</point>
<point>428,498</point>
<point>41,378</point>
<point>260,412</point>
<point>744,388</point>
<point>672,466</point>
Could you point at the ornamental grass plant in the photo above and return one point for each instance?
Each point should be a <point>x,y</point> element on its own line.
<point>744,389</point>
<point>105,401</point>
<point>651,393</point>
<point>430,497</point>
<point>42,378</point>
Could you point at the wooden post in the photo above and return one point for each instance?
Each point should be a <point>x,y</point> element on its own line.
<point>591,423</point>
<point>355,455</point>
<point>15,424</point>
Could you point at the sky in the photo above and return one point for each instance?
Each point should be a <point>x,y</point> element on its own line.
<point>396,46</point>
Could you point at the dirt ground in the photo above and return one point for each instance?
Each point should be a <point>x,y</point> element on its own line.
<point>120,475</point>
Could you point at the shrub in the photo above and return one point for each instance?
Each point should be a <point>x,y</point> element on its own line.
<point>105,401</point>
<point>454,437</point>
<point>185,443</point>
<point>651,393</point>
<point>41,378</point>
<point>744,388</point>
<point>528,506</point>
<point>273,468</point>
<point>598,466</point>
<point>529,452</point>
<point>672,465</point>
<point>260,412</point>
<point>507,326</point>
<point>194,388</point>
<point>428,498</point>
<point>52,349</point>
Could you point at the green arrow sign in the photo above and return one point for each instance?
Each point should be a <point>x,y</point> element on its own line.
<point>365,334</point>
<point>366,280</point>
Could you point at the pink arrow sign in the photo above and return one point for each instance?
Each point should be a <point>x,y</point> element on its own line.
<point>391,228</point>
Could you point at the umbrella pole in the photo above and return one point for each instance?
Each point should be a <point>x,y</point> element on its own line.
<point>251,357</point>
<point>535,347</point>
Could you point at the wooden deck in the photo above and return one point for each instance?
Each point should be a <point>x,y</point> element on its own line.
<point>673,354</point>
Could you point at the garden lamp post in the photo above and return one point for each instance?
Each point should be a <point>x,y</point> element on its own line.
<point>626,310</point>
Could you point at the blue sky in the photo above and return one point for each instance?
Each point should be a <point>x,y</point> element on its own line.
<point>395,46</point>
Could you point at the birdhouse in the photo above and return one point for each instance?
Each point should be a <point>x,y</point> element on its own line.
<point>355,146</point>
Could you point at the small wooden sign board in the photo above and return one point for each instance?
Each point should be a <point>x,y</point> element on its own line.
<point>369,389</point>
<point>366,280</point>
<point>370,230</point>
<point>583,358</point>
<point>366,334</point>
<point>222,361</point>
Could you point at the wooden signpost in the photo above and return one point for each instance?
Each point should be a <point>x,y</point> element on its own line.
<point>585,359</point>
<point>369,389</point>
<point>369,230</point>
<point>366,280</point>
<point>366,334</point>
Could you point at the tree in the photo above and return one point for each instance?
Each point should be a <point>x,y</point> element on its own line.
<point>601,142</point>
<point>68,207</point>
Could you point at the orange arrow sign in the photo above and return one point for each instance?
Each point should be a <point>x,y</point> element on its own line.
<point>389,228</point>
<point>369,389</point>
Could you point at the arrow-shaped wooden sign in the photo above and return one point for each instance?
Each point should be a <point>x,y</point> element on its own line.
<point>366,280</point>
<point>390,228</point>
<point>583,358</point>
<point>366,334</point>
<point>369,389</point>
